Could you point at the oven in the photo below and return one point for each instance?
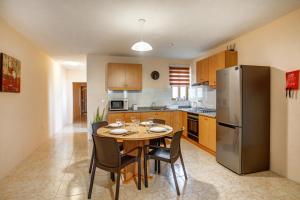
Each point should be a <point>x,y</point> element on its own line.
<point>193,126</point>
<point>118,104</point>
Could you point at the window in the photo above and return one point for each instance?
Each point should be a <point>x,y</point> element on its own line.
<point>179,78</point>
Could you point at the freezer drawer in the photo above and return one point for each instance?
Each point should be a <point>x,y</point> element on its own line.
<point>229,96</point>
<point>229,147</point>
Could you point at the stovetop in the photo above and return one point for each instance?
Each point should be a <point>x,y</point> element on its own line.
<point>200,110</point>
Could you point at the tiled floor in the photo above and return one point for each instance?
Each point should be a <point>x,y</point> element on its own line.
<point>59,170</point>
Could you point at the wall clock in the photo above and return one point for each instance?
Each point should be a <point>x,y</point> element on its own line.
<point>155,75</point>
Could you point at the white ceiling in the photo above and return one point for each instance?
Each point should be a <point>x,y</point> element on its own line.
<point>110,27</point>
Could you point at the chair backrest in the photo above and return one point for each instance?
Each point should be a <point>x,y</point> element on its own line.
<point>159,121</point>
<point>107,152</point>
<point>97,125</point>
<point>175,145</point>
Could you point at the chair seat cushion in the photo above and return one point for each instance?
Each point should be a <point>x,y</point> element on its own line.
<point>164,154</point>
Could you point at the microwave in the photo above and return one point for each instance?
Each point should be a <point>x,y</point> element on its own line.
<point>118,104</point>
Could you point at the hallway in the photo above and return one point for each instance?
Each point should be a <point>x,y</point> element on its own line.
<point>58,169</point>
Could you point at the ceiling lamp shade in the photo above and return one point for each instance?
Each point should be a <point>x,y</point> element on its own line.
<point>141,45</point>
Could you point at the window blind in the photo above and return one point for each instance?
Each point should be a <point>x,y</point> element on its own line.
<point>179,75</point>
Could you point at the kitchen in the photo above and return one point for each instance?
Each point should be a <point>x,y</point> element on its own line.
<point>207,100</point>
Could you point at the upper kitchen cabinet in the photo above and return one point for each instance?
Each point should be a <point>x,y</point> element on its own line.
<point>220,61</point>
<point>121,76</point>
<point>202,71</point>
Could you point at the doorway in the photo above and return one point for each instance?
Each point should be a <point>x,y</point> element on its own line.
<point>79,102</point>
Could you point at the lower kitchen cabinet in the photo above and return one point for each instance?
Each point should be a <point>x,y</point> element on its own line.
<point>129,116</point>
<point>156,115</point>
<point>176,121</point>
<point>207,130</point>
<point>184,124</point>
<point>112,117</point>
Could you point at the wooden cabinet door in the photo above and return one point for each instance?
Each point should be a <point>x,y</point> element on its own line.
<point>112,117</point>
<point>202,70</point>
<point>176,120</point>
<point>147,115</point>
<point>116,76</point>
<point>203,131</point>
<point>165,116</point>
<point>212,133</point>
<point>184,123</point>
<point>231,58</point>
<point>133,77</point>
<point>128,117</point>
<point>212,70</point>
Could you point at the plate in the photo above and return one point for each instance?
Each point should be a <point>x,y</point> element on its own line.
<point>147,123</point>
<point>118,131</point>
<point>157,129</point>
<point>115,125</point>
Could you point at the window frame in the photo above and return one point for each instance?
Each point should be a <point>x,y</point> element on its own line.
<point>179,93</point>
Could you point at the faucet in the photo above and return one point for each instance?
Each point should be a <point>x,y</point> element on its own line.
<point>153,104</point>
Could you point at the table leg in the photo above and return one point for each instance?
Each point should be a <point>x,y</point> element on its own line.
<point>131,171</point>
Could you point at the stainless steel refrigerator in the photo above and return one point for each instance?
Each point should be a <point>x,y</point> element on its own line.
<point>243,118</point>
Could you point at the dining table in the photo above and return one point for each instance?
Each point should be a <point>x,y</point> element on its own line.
<point>137,135</point>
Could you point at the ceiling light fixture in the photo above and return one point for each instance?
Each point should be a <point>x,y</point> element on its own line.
<point>141,45</point>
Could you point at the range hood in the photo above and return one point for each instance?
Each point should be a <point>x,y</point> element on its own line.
<point>199,84</point>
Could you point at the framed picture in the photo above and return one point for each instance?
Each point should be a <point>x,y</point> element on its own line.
<point>10,74</point>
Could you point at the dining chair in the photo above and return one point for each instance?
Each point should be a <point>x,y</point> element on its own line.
<point>95,127</point>
<point>169,155</point>
<point>109,158</point>
<point>158,141</point>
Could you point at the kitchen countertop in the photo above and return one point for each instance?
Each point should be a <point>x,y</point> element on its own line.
<point>149,109</point>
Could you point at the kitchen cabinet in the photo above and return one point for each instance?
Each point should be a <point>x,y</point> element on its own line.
<point>128,116</point>
<point>176,121</point>
<point>219,61</point>
<point>112,117</point>
<point>202,71</point>
<point>122,76</point>
<point>156,115</point>
<point>207,130</point>
<point>184,123</point>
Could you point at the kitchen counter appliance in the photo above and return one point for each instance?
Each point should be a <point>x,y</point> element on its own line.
<point>118,104</point>
<point>243,118</point>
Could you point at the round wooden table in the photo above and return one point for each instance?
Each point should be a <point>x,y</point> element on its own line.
<point>137,136</point>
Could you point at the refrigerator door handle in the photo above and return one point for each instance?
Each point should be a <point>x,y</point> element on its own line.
<point>228,125</point>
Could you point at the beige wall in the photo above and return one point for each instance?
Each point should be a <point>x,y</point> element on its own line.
<point>277,44</point>
<point>24,119</point>
<point>96,69</point>
<point>73,75</point>
<point>24,116</point>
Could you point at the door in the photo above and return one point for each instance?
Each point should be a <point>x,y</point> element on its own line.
<point>229,147</point>
<point>229,96</point>
<point>79,102</point>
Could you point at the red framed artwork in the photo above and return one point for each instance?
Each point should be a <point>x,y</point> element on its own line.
<point>10,74</point>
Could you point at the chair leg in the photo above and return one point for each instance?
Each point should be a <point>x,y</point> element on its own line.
<point>155,165</point>
<point>92,160</point>
<point>145,172</point>
<point>92,181</point>
<point>164,142</point>
<point>175,179</point>
<point>158,166</point>
<point>118,186</point>
<point>139,173</point>
<point>112,176</point>
<point>183,167</point>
